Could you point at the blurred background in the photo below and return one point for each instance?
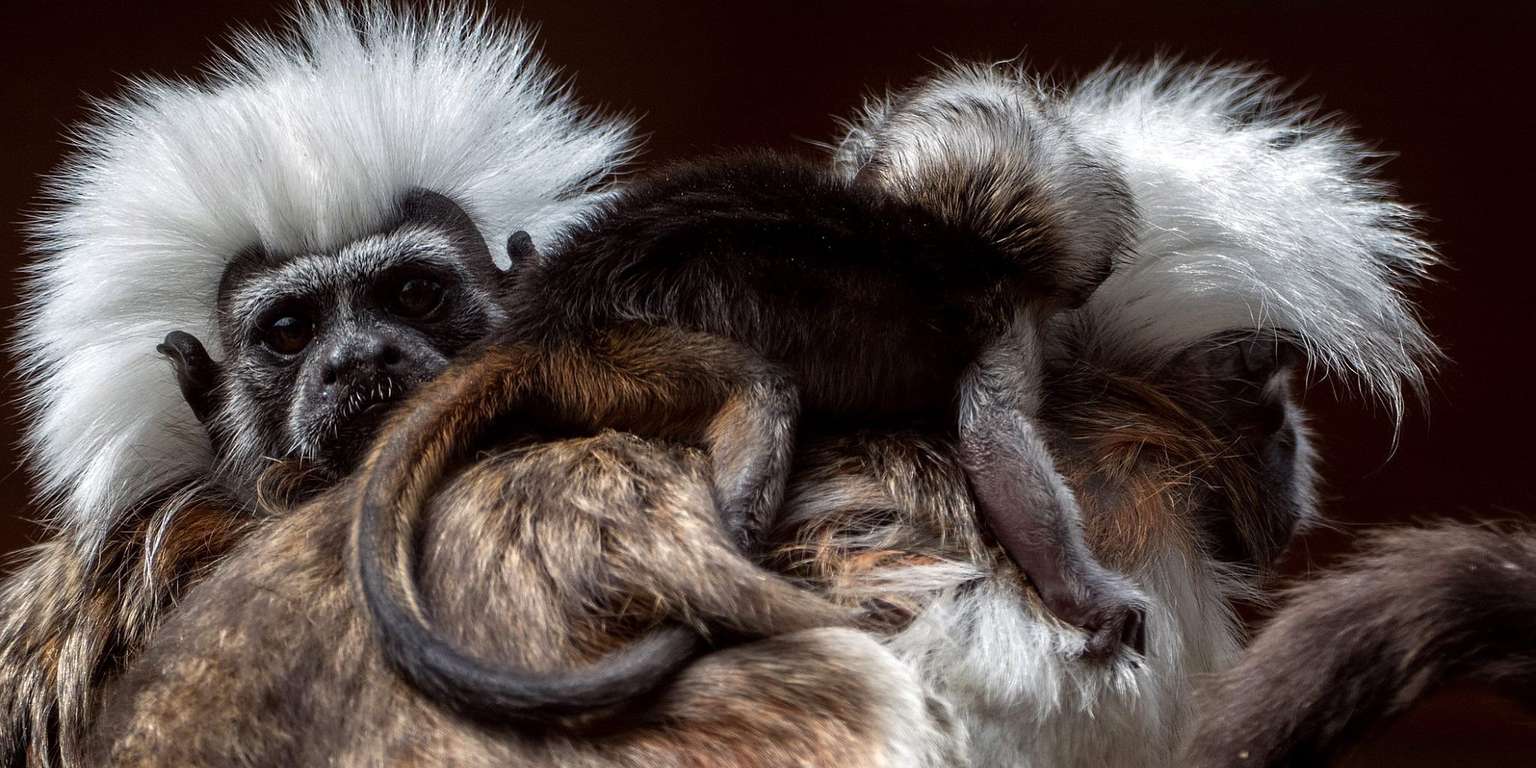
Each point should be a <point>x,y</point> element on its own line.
<point>1439,85</point>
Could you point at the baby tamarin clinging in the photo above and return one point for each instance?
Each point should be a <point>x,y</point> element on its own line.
<point>715,301</point>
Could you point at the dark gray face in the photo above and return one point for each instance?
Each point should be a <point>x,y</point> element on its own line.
<point>1240,384</point>
<point>320,346</point>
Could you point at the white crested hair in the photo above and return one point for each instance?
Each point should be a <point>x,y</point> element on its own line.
<point>1251,216</point>
<point>298,140</point>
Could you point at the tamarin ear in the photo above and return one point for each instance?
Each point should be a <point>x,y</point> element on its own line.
<point>196,373</point>
<point>423,206</point>
<point>520,250</point>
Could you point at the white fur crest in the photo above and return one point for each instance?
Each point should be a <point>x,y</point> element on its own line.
<point>1254,217</point>
<point>1251,216</point>
<point>296,141</point>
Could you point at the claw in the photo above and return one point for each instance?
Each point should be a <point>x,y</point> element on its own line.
<point>1135,635</point>
<point>1125,630</point>
<point>1111,618</point>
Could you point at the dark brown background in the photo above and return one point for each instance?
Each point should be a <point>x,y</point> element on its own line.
<point>1440,86</point>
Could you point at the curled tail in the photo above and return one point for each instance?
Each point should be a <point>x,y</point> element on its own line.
<point>406,468</point>
<point>1418,608</point>
<point>664,547</point>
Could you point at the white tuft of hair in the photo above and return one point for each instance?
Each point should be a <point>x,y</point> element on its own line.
<point>1256,217</point>
<point>296,140</point>
<point>991,154</point>
<point>1251,216</point>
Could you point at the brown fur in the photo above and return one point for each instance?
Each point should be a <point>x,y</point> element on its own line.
<point>1196,456</point>
<point>1158,462</point>
<point>1150,461</point>
<point>659,382</point>
<point>542,557</point>
<point>68,624</point>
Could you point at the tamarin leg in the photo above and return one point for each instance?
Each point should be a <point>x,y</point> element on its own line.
<point>1026,503</point>
<point>663,382</point>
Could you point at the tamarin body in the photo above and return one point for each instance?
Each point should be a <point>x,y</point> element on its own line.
<point>718,302</point>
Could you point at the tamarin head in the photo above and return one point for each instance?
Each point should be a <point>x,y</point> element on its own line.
<point>318,346</point>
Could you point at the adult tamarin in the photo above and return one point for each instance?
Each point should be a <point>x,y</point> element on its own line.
<point>1266,247</point>
<point>710,301</point>
<point>314,209</point>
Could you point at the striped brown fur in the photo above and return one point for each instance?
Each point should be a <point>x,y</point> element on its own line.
<point>69,624</point>
<point>656,381</point>
<point>542,557</point>
<point>1173,459</point>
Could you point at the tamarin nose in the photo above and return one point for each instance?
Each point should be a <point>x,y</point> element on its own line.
<point>364,355</point>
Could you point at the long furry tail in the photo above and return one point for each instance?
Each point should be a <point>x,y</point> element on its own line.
<point>1418,608</point>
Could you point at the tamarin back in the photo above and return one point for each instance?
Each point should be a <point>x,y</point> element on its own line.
<point>873,305</point>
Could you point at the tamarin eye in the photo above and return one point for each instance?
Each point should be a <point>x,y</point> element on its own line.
<point>417,297</point>
<point>289,334</point>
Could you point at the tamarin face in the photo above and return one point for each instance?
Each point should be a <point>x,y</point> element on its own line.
<point>319,346</point>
